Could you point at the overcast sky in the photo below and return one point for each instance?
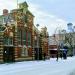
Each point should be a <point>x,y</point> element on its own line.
<point>50,13</point>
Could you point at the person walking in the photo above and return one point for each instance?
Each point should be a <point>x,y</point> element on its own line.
<point>57,56</point>
<point>61,54</point>
<point>44,56</point>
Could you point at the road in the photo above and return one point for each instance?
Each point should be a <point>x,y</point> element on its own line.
<point>48,67</point>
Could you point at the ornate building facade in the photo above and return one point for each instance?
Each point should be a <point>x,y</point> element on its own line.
<point>17,36</point>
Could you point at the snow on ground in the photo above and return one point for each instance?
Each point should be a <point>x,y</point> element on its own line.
<point>47,67</point>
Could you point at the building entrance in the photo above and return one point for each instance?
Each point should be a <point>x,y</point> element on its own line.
<point>8,54</point>
<point>38,53</point>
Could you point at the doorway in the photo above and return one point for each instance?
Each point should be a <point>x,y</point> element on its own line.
<point>38,53</point>
<point>8,54</point>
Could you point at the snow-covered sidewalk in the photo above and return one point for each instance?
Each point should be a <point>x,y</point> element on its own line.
<point>48,67</point>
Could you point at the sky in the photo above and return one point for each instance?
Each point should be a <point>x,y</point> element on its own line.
<point>50,13</point>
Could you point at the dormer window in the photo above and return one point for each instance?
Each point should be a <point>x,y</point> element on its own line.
<point>6,19</point>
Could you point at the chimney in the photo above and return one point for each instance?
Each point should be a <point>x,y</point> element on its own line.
<point>5,12</point>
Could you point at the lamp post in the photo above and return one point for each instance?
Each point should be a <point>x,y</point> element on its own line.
<point>37,40</point>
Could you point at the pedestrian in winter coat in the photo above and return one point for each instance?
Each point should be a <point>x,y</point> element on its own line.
<point>61,55</point>
<point>44,56</point>
<point>57,56</point>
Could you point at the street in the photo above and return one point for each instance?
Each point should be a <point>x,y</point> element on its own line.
<point>48,67</point>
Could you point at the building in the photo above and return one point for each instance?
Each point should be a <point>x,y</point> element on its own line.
<point>63,40</point>
<point>44,38</point>
<point>17,36</point>
<point>52,46</point>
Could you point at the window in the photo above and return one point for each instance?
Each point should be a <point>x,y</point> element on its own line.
<point>8,41</point>
<point>6,19</point>
<point>19,36</point>
<point>29,39</point>
<point>5,40</point>
<point>35,43</point>
<point>2,28</point>
<point>24,37</point>
<point>24,52</point>
<point>25,18</point>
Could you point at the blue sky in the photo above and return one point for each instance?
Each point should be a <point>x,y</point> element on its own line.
<point>49,13</point>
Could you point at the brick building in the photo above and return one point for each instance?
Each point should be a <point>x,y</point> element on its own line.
<point>17,36</point>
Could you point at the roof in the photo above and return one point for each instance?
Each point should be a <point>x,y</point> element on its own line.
<point>30,13</point>
<point>25,3</point>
